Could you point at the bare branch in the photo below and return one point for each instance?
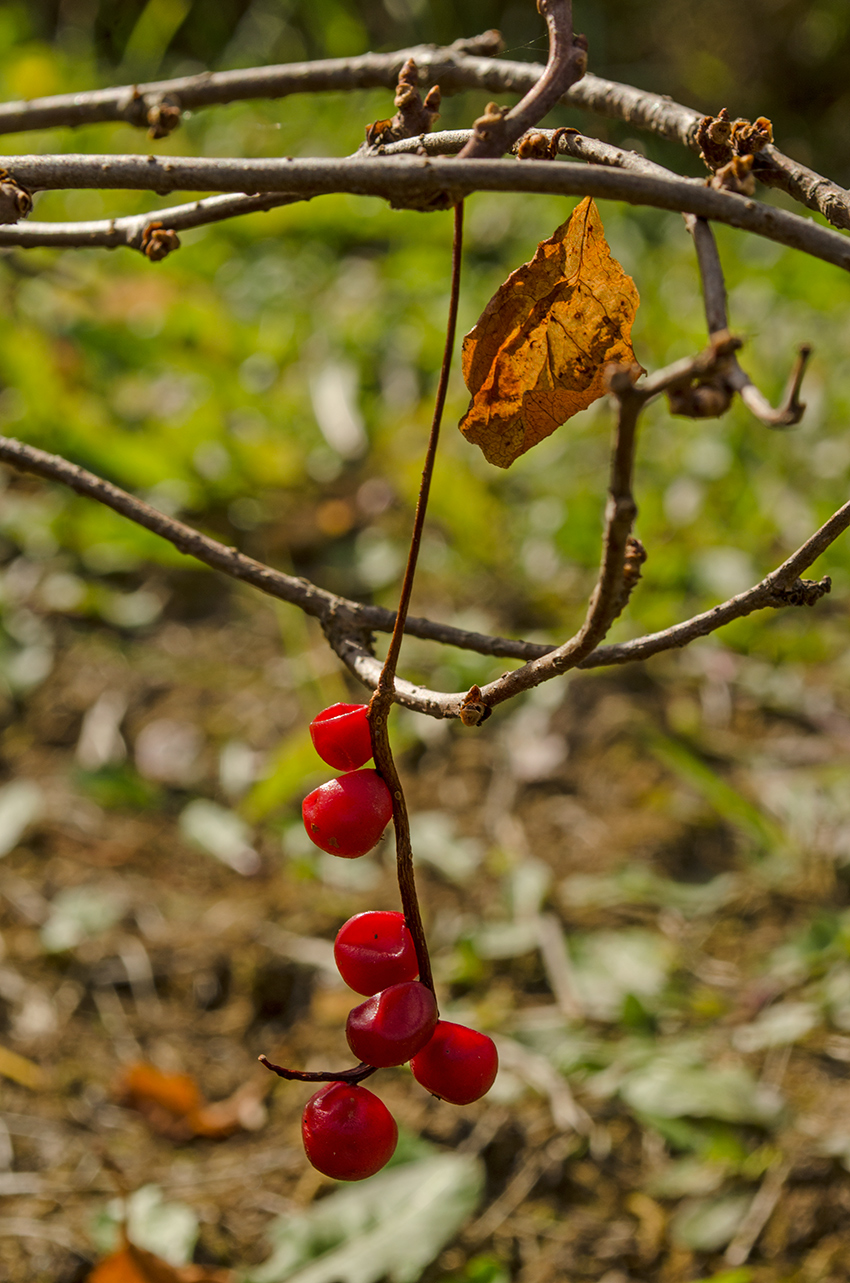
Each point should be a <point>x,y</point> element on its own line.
<point>812,190</point>
<point>580,147</point>
<point>735,378</point>
<point>418,182</point>
<point>132,103</point>
<point>334,611</point>
<point>783,587</point>
<point>497,130</point>
<point>129,232</point>
<point>790,410</point>
<point>711,274</point>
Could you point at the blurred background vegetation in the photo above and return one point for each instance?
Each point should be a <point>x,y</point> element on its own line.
<point>686,824</point>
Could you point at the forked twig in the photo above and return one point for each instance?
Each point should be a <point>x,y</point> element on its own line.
<point>497,130</point>
<point>791,409</point>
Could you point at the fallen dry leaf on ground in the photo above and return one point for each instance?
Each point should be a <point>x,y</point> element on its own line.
<point>20,1070</point>
<point>539,351</point>
<point>133,1264</point>
<point>174,1107</point>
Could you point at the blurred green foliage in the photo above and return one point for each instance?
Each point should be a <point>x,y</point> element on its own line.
<point>214,382</point>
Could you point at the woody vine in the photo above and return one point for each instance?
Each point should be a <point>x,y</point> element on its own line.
<point>555,338</point>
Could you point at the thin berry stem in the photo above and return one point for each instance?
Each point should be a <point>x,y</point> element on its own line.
<point>382,700</point>
<point>354,1075</point>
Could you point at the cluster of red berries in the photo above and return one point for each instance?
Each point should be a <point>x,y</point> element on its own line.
<point>348,1132</point>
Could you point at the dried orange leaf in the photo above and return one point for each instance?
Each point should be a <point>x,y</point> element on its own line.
<point>178,1093</point>
<point>173,1104</point>
<point>136,1265</point>
<point>539,351</point>
<point>164,1099</point>
<point>133,1265</point>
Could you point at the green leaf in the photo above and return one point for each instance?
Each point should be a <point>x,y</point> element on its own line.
<point>729,804</point>
<point>710,1223</point>
<point>609,965</point>
<point>170,1230</point>
<point>293,763</point>
<point>668,1088</point>
<point>390,1226</point>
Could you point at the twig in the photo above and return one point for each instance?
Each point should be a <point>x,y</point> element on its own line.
<point>782,587</point>
<point>129,231</point>
<point>332,610</point>
<point>620,513</point>
<point>497,130</point>
<point>714,296</point>
<point>456,67</point>
<point>759,1213</point>
<point>383,698</point>
<point>417,182</point>
<point>355,1075</point>
<point>812,190</point>
<point>711,274</point>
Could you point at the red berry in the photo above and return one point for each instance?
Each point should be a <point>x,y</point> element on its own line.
<point>374,950</point>
<point>340,736</point>
<point>347,815</point>
<point>348,1132</point>
<point>458,1064</point>
<point>391,1026</point>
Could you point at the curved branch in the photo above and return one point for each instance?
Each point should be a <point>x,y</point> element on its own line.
<point>498,130</point>
<point>782,587</point>
<point>790,412</point>
<point>416,182</point>
<point>333,611</point>
<point>351,1076</point>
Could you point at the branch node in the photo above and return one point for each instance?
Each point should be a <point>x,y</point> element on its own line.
<point>163,115</point>
<point>488,45</point>
<point>158,242</point>
<point>15,201</point>
<point>736,176</point>
<point>474,710</point>
<point>536,145</point>
<point>412,117</point>
<point>722,139</point>
<point>634,559</point>
<point>802,592</point>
